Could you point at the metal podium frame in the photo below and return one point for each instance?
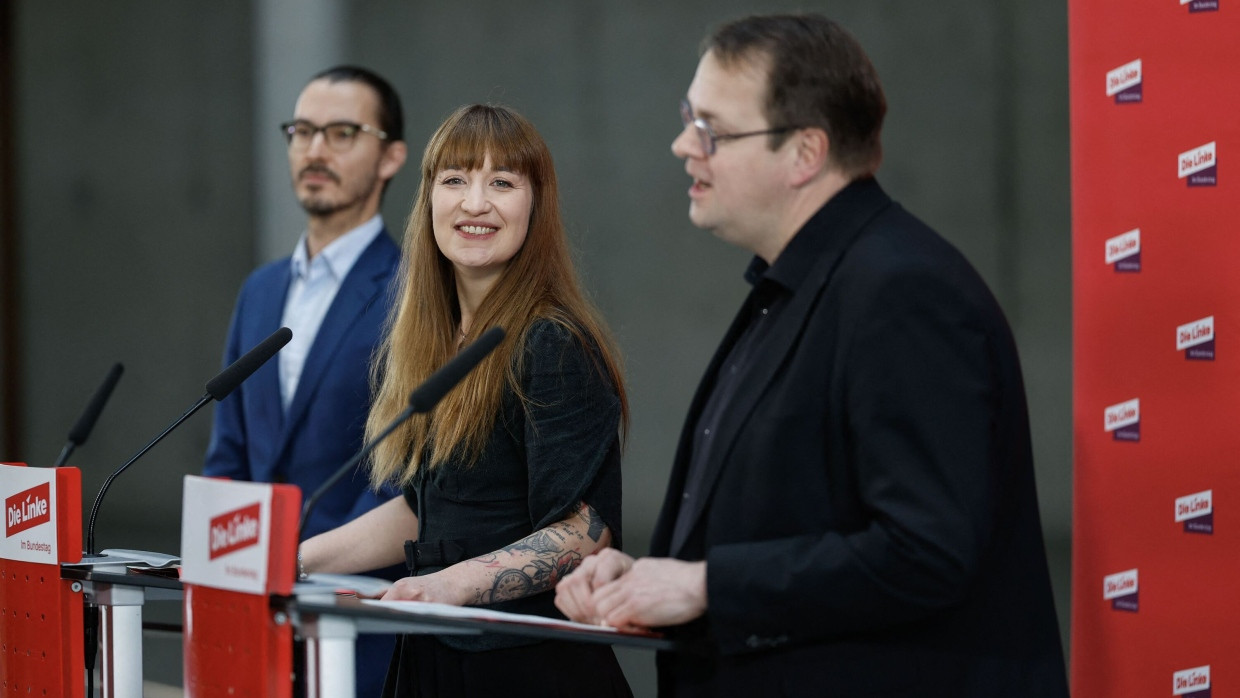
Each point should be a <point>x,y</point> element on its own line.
<point>120,595</point>
<point>331,622</point>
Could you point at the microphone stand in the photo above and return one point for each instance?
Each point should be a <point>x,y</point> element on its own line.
<point>349,465</point>
<point>217,389</point>
<point>81,430</point>
<point>94,510</point>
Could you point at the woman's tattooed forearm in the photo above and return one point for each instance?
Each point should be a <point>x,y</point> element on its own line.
<point>537,575</point>
<point>549,554</point>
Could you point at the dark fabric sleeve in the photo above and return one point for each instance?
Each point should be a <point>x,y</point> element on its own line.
<point>921,409</point>
<point>571,429</point>
<point>411,498</point>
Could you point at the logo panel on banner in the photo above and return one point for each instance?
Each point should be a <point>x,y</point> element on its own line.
<point>1196,339</point>
<point>1124,251</point>
<point>1200,165</point>
<point>1201,5</point>
<point>1191,683</point>
<point>1121,590</point>
<point>29,496</point>
<point>1124,420</point>
<point>1196,511</point>
<point>1124,83</point>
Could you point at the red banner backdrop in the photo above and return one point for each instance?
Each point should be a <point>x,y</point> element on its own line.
<point>1155,95</point>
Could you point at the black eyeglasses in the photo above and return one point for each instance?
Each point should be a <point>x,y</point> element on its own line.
<point>707,136</point>
<point>339,135</point>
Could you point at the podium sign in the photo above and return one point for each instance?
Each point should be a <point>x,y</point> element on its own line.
<point>238,546</point>
<point>40,613</point>
<point>29,496</point>
<point>226,534</point>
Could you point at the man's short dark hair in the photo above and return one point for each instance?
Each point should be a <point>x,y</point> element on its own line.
<point>391,116</point>
<point>819,76</point>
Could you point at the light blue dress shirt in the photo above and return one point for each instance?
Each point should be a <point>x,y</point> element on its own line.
<point>313,287</point>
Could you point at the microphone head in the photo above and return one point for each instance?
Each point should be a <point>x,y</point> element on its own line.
<point>228,379</point>
<point>427,395</point>
<point>81,430</point>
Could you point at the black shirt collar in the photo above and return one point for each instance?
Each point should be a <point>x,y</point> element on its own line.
<point>798,257</point>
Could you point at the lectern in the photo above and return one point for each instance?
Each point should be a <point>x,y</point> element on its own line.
<point>238,549</point>
<point>41,641</point>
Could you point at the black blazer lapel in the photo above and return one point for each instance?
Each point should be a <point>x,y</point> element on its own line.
<point>660,543</point>
<point>754,382</point>
<point>774,349</point>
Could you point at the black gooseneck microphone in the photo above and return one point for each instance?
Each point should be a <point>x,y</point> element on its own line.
<point>86,422</point>
<point>422,399</point>
<point>217,389</point>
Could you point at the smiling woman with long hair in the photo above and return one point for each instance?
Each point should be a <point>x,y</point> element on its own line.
<point>515,476</point>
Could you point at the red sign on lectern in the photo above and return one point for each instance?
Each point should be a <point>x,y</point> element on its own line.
<point>41,627</point>
<point>29,526</point>
<point>238,546</point>
<point>239,536</point>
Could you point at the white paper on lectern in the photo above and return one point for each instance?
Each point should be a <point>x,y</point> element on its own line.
<point>29,496</point>
<point>358,584</point>
<point>440,610</point>
<point>211,555</point>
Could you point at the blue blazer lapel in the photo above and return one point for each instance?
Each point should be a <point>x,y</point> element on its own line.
<point>366,282</point>
<point>265,382</point>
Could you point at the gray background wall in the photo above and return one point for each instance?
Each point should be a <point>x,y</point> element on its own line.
<point>149,179</point>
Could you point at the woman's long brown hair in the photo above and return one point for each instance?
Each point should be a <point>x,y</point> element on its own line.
<point>538,283</point>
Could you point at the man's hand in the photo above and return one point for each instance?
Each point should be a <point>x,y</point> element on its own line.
<point>574,595</point>
<point>611,588</point>
<point>656,591</point>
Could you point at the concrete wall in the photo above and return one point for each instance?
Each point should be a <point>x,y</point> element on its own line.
<point>144,170</point>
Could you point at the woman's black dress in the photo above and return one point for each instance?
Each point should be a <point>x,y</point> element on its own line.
<point>543,459</point>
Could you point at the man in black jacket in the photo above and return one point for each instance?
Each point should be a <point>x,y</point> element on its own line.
<point>852,507</point>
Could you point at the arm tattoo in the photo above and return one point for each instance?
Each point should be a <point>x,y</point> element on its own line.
<point>540,542</point>
<point>539,574</point>
<point>554,557</point>
<point>596,525</point>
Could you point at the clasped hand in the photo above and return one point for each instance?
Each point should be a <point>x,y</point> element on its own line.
<point>611,588</point>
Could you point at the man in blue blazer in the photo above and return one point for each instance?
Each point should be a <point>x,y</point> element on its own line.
<point>300,417</point>
<point>852,509</point>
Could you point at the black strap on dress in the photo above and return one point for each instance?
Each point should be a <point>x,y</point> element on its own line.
<point>434,555</point>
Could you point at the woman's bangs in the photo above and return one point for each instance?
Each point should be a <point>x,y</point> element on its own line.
<point>465,145</point>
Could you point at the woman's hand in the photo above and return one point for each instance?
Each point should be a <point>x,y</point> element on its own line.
<point>431,587</point>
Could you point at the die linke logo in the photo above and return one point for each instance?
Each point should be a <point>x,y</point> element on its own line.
<point>1121,590</point>
<point>1196,511</point>
<point>1200,166</point>
<point>1124,251</point>
<point>1124,420</point>
<point>1124,83</point>
<point>28,509</point>
<point>1201,5</point>
<point>1196,339</point>
<point>1191,683</point>
<point>234,530</point>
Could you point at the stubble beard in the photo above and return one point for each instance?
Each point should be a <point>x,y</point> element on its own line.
<point>318,205</point>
